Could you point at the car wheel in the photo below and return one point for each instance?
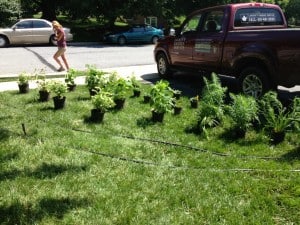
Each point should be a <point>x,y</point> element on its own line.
<point>52,40</point>
<point>253,81</point>
<point>154,39</point>
<point>163,66</point>
<point>3,41</point>
<point>122,40</point>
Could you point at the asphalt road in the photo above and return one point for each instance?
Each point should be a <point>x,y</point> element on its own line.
<point>17,59</point>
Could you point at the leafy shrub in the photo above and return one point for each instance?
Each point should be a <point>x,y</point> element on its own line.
<point>103,101</point>
<point>161,97</point>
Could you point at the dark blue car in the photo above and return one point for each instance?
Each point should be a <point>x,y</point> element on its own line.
<point>137,33</point>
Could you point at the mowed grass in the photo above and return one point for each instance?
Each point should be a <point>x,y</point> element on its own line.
<point>63,169</point>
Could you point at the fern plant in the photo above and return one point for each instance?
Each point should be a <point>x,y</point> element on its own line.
<point>211,110</point>
<point>242,111</point>
<point>275,118</point>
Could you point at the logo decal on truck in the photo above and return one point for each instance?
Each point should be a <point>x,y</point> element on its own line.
<point>179,43</point>
<point>205,46</point>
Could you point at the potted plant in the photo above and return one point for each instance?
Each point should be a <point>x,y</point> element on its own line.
<point>119,87</point>
<point>194,101</point>
<point>136,86</point>
<point>102,102</point>
<point>93,79</point>
<point>242,111</point>
<point>59,88</point>
<point>275,118</point>
<point>176,94</point>
<point>23,82</point>
<point>70,79</point>
<point>211,110</point>
<point>177,107</point>
<point>162,100</point>
<point>44,89</point>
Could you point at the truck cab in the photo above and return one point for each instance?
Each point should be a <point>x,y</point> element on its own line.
<point>229,39</point>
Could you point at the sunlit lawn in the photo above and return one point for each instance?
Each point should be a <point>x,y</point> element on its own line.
<point>63,169</point>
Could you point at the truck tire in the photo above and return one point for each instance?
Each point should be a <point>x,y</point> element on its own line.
<point>163,66</point>
<point>253,81</point>
<point>3,41</point>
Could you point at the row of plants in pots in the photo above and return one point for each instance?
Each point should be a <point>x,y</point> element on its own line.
<point>267,113</point>
<point>244,112</point>
<point>108,90</point>
<point>45,87</point>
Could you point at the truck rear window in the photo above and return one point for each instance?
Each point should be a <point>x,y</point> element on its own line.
<point>257,17</point>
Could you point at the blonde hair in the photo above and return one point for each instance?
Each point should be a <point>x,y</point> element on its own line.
<point>56,24</point>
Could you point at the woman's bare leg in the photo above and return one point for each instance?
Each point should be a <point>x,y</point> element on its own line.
<point>65,61</point>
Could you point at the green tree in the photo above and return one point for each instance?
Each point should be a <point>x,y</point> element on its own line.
<point>293,11</point>
<point>10,11</point>
<point>48,8</point>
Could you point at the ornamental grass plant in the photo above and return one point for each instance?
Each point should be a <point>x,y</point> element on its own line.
<point>57,168</point>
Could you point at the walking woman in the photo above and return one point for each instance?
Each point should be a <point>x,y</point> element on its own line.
<point>61,44</point>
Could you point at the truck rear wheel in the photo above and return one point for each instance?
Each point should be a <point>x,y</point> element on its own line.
<point>163,66</point>
<point>253,81</point>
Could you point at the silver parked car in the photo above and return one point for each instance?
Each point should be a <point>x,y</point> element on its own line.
<point>30,31</point>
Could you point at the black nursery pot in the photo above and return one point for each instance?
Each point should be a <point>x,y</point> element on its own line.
<point>157,116</point>
<point>23,88</point>
<point>44,96</point>
<point>119,103</point>
<point>147,98</point>
<point>97,115</point>
<point>71,87</point>
<point>177,110</point>
<point>136,93</point>
<point>277,137</point>
<point>59,103</point>
<point>194,104</point>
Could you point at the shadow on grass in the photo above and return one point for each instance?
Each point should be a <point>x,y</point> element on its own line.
<point>52,170</point>
<point>18,213</point>
<point>292,155</point>
<point>230,135</point>
<point>42,172</point>
<point>8,157</point>
<point>4,134</point>
<point>144,122</point>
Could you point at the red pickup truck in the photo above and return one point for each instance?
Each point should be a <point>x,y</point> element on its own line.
<point>248,41</point>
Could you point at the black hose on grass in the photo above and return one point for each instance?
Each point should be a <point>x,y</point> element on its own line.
<point>187,147</point>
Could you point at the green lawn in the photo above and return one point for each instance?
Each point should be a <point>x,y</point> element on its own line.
<point>63,169</point>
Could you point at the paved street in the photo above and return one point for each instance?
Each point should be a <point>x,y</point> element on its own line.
<point>137,59</point>
<point>14,60</point>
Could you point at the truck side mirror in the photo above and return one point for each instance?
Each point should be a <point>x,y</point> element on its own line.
<point>172,32</point>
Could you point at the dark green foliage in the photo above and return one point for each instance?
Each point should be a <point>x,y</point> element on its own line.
<point>211,110</point>
<point>10,11</point>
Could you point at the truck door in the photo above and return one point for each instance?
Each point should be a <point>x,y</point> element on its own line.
<point>181,50</point>
<point>207,51</point>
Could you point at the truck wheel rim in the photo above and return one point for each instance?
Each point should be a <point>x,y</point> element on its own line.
<point>162,66</point>
<point>252,85</point>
